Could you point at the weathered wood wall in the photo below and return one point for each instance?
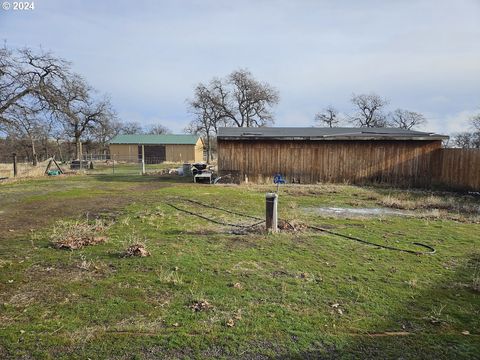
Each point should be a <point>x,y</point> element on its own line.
<point>403,163</point>
<point>400,163</point>
<point>457,169</point>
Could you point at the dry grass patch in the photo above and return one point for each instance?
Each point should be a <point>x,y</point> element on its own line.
<point>24,170</point>
<point>301,189</point>
<point>450,203</point>
<point>457,208</point>
<point>77,234</point>
<point>291,225</point>
<point>139,324</point>
<point>169,277</point>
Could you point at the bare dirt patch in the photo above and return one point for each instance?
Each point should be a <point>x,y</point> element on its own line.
<point>26,217</point>
<point>21,218</point>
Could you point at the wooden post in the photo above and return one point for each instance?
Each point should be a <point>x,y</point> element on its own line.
<point>48,166</point>
<point>15,170</point>
<point>80,156</point>
<point>143,159</point>
<point>271,219</point>
<point>113,162</point>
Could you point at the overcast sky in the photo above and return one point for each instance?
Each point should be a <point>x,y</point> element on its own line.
<point>423,55</point>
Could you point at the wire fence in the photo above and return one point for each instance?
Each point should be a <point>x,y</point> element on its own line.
<point>124,164</point>
<point>91,164</point>
<point>24,168</point>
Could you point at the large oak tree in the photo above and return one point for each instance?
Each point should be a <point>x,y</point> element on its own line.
<point>369,110</point>
<point>236,100</point>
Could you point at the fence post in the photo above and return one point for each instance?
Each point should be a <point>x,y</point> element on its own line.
<point>271,220</point>
<point>113,163</point>
<point>143,159</point>
<point>81,156</point>
<point>15,170</point>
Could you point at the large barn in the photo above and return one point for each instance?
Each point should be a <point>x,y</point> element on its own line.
<point>157,148</point>
<point>311,155</point>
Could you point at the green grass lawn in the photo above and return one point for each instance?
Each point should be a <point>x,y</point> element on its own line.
<point>296,294</point>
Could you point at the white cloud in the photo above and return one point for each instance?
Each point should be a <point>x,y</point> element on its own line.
<point>421,54</point>
<point>453,123</point>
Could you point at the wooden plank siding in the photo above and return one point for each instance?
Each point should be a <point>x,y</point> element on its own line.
<point>124,152</point>
<point>403,163</point>
<point>457,169</point>
<point>180,153</point>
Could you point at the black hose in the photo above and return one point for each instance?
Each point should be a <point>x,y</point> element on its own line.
<point>225,210</point>
<point>387,247</point>
<point>214,220</point>
<point>432,250</point>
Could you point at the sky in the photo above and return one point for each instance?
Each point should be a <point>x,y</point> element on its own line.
<point>422,55</point>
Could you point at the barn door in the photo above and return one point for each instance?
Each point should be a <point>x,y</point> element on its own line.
<point>154,154</point>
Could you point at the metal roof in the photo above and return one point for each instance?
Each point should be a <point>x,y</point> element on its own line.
<point>318,133</point>
<point>169,139</point>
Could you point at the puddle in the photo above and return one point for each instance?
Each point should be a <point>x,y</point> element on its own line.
<point>361,212</point>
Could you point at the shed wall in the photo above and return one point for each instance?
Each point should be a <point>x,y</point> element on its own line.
<point>181,153</point>
<point>124,152</point>
<point>174,153</point>
<point>405,163</point>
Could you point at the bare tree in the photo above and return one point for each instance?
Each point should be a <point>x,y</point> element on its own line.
<point>105,131</point>
<point>158,129</point>
<point>62,142</point>
<point>131,128</point>
<point>476,140</point>
<point>208,115</point>
<point>248,103</point>
<point>198,128</point>
<point>27,124</point>
<point>238,100</point>
<point>39,95</point>
<point>25,74</point>
<point>328,117</point>
<point>475,121</point>
<point>369,110</point>
<point>242,100</point>
<point>79,112</point>
<point>466,140</point>
<point>405,119</point>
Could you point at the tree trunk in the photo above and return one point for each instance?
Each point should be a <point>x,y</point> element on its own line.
<point>78,148</point>
<point>59,150</point>
<point>208,149</point>
<point>34,153</point>
<point>46,147</point>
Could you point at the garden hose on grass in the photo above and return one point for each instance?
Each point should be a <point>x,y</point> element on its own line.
<point>222,209</point>
<point>214,220</point>
<point>430,252</point>
<point>316,228</point>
